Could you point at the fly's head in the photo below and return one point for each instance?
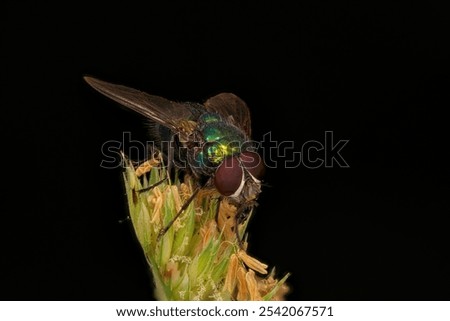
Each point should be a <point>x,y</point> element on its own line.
<point>239,177</point>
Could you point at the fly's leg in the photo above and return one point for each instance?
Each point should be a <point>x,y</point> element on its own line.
<point>182,209</point>
<point>147,165</point>
<point>241,216</point>
<point>152,186</point>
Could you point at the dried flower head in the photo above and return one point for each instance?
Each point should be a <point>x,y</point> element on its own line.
<point>198,257</point>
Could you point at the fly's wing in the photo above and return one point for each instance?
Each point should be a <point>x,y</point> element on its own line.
<point>233,108</point>
<point>163,111</point>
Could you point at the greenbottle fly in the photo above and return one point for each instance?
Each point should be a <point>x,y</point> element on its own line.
<point>211,141</point>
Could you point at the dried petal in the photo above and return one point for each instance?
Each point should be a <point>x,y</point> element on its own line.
<point>176,198</point>
<point>252,286</point>
<point>226,220</point>
<point>208,231</point>
<point>146,166</point>
<point>230,279</point>
<point>242,293</point>
<point>252,263</point>
<point>159,201</point>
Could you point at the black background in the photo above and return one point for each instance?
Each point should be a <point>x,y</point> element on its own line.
<point>373,73</point>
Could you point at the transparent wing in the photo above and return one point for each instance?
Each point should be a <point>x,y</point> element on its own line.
<point>233,108</point>
<point>158,109</point>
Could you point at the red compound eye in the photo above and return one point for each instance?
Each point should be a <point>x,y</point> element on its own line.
<point>228,176</point>
<point>253,164</point>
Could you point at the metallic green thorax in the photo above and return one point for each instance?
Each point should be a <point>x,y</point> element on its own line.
<point>220,140</point>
